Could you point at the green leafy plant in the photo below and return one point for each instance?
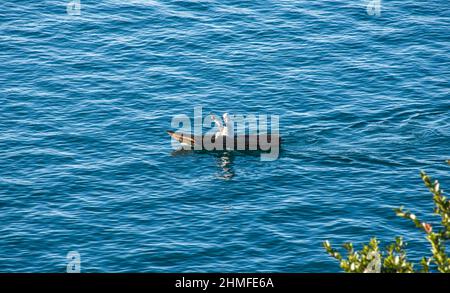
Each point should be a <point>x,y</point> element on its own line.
<point>393,259</point>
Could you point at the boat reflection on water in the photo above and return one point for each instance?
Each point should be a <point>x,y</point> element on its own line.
<point>224,159</point>
<point>225,163</point>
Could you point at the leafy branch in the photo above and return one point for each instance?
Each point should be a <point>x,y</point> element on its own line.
<point>394,258</point>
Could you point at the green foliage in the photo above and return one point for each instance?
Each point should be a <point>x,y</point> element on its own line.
<point>394,259</point>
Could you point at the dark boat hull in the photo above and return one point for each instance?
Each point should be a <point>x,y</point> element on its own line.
<point>238,142</point>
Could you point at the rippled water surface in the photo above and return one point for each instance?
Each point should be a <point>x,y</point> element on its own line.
<point>86,164</point>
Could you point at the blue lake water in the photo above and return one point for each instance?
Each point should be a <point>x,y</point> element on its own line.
<point>86,164</point>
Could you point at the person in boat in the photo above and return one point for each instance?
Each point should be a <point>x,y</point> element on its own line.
<point>224,130</point>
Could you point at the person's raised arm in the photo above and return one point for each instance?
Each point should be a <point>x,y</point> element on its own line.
<point>217,122</point>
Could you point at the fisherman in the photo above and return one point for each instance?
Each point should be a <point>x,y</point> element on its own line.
<point>227,130</point>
